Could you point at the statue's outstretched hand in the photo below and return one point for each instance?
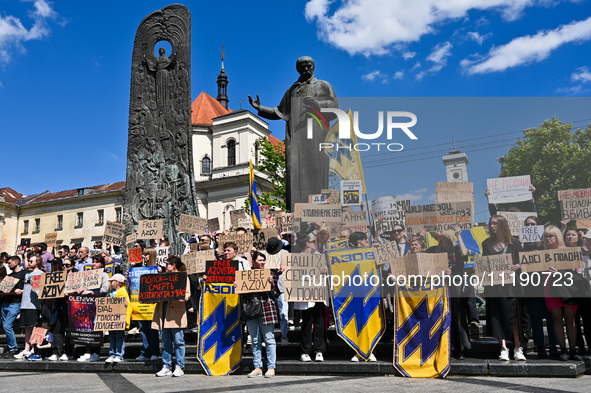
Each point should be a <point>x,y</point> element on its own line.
<point>256,104</point>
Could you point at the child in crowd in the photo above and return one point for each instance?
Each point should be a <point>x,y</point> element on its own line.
<point>43,350</point>
<point>117,337</point>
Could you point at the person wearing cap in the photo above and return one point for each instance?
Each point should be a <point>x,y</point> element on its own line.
<point>117,337</point>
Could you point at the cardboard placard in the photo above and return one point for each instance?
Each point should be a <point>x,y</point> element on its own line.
<point>165,287</point>
<point>454,192</point>
<point>243,241</point>
<point>576,204</point>
<point>150,229</point>
<point>8,283</point>
<point>386,253</point>
<point>53,285</point>
<point>111,314</point>
<point>318,199</point>
<point>264,211</point>
<point>195,261</point>
<point>531,233</point>
<point>221,271</point>
<point>194,247</point>
<point>384,206</point>
<point>261,237</point>
<point>540,261</point>
<point>273,261</point>
<point>134,255</point>
<point>2,245</point>
<point>36,283</point>
<point>309,212</point>
<point>420,264</point>
<point>284,222</point>
<point>494,270</point>
<point>356,218</point>
<point>509,189</point>
<point>130,240</point>
<point>213,225</point>
<point>336,230</point>
<point>439,217</point>
<point>245,222</point>
<point>51,239</point>
<point>351,192</point>
<point>235,215</point>
<point>191,224</point>
<point>333,195</point>
<point>303,277</point>
<point>255,280</point>
<point>516,220</point>
<point>113,233</point>
<point>584,223</point>
<point>162,255</point>
<point>87,279</point>
<point>38,336</point>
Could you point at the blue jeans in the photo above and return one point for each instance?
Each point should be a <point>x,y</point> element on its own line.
<point>283,308</point>
<point>117,339</point>
<point>9,313</point>
<point>150,339</point>
<point>258,332</point>
<point>176,335</point>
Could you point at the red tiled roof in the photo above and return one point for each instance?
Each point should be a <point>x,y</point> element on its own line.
<point>52,196</point>
<point>10,195</point>
<point>205,108</point>
<point>277,143</point>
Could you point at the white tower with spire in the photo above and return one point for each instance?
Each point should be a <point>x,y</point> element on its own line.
<point>456,164</point>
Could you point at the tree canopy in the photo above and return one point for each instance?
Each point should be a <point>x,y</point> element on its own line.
<point>556,158</point>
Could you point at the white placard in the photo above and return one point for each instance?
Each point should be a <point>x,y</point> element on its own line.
<point>509,189</point>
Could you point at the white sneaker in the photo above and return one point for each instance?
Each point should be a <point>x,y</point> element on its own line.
<point>518,354</point>
<point>23,354</point>
<point>178,371</point>
<point>319,357</point>
<point>64,358</point>
<point>117,360</point>
<point>95,357</point>
<point>53,358</point>
<point>284,342</point>
<point>110,359</point>
<point>355,358</point>
<point>304,357</point>
<point>134,331</point>
<point>84,358</point>
<point>504,354</point>
<point>165,372</point>
<point>153,358</point>
<point>142,358</point>
<point>372,358</point>
<point>249,340</point>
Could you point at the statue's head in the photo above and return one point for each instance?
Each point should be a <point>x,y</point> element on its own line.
<point>305,66</point>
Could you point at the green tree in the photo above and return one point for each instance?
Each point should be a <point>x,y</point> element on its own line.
<point>556,158</point>
<point>272,162</point>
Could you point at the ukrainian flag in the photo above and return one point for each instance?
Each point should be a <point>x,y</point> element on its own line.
<point>254,205</point>
<point>472,238</point>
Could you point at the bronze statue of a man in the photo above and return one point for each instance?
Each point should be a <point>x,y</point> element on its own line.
<point>307,165</point>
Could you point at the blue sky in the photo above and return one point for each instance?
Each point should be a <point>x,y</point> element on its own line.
<point>65,72</point>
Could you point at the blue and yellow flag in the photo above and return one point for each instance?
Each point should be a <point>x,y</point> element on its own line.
<point>219,339</point>
<point>472,238</point>
<point>254,204</point>
<point>422,321</point>
<point>356,300</point>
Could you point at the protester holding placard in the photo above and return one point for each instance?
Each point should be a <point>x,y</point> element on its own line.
<point>117,337</point>
<point>42,350</point>
<point>525,206</point>
<point>171,319</point>
<point>29,314</point>
<point>11,305</point>
<point>261,316</point>
<point>55,311</point>
<point>501,306</point>
<point>558,309</point>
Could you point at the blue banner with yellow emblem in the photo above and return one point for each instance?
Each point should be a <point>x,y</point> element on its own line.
<point>356,298</point>
<point>219,339</point>
<point>422,321</point>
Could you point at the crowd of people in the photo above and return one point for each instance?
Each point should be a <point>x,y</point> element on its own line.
<point>513,313</point>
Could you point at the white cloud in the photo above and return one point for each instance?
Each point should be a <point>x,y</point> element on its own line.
<point>440,53</point>
<point>571,91</point>
<point>413,196</point>
<point>399,75</point>
<point>581,74</point>
<point>528,49</point>
<point>13,33</point>
<point>420,75</point>
<point>375,75</point>
<point>408,55</point>
<point>475,36</point>
<point>372,27</point>
<point>115,156</point>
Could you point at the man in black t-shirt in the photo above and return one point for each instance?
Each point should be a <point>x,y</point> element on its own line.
<point>11,305</point>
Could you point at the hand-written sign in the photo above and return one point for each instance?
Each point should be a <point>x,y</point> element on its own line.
<point>396,218</point>
<point>195,261</point>
<point>336,230</point>
<point>310,212</point>
<point>113,233</point>
<point>245,222</point>
<point>273,261</point>
<point>130,240</point>
<point>150,229</point>
<point>305,277</point>
<point>531,233</point>
<point>333,195</point>
<point>284,222</point>
<point>87,279</point>
<point>454,192</point>
<point>540,261</point>
<point>53,285</point>
<point>243,241</point>
<point>255,280</point>
<point>36,283</point>
<point>516,220</point>
<point>384,206</point>
<point>261,237</point>
<point>162,255</point>
<point>439,217</point>
<point>356,218</point>
<point>213,225</point>
<point>111,314</point>
<point>191,224</point>
<point>38,336</point>
<point>264,211</point>
<point>576,204</point>
<point>585,223</point>
<point>8,283</point>
<point>163,287</point>
<point>420,264</point>
<point>509,189</point>
<point>386,253</point>
<point>351,192</point>
<point>221,271</point>
<point>134,254</point>
<point>318,199</point>
<point>495,266</point>
<point>51,239</point>
<point>134,275</point>
<point>235,215</point>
